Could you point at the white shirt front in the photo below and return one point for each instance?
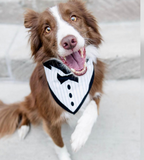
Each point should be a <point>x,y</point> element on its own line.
<point>69,94</point>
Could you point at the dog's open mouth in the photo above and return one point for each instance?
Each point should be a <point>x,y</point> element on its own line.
<point>76,62</point>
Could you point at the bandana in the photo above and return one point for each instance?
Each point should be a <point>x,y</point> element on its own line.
<point>68,90</point>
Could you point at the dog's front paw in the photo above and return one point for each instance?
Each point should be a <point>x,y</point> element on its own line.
<point>79,137</point>
<point>84,127</point>
<point>62,153</point>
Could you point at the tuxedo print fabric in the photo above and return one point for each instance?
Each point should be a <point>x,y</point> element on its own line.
<point>68,90</point>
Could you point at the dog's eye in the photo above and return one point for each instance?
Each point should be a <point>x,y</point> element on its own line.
<point>48,29</point>
<point>73,18</point>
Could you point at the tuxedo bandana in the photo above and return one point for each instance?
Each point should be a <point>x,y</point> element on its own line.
<point>68,90</point>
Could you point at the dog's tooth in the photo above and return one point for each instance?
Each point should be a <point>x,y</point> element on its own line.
<point>64,58</point>
<point>81,52</point>
<point>73,70</point>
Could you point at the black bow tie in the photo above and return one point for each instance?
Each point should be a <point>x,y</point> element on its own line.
<point>62,79</point>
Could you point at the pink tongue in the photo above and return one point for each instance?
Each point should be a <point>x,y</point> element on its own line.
<point>75,61</point>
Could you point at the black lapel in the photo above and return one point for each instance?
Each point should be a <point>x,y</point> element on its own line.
<point>57,65</point>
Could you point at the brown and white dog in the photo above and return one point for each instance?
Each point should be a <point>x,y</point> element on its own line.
<point>58,33</point>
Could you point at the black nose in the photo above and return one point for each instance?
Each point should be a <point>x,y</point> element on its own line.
<point>69,42</point>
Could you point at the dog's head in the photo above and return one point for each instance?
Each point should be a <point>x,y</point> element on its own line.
<point>67,32</point>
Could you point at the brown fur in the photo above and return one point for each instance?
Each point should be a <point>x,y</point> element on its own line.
<point>39,105</point>
<point>9,117</point>
<point>86,23</point>
<point>55,133</point>
<point>99,69</point>
<point>98,81</point>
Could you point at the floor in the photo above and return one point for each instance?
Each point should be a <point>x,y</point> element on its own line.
<point>115,136</point>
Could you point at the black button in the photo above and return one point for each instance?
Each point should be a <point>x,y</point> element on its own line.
<point>68,86</point>
<point>70,95</point>
<point>72,103</point>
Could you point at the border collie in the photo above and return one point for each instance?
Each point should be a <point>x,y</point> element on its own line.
<point>67,80</point>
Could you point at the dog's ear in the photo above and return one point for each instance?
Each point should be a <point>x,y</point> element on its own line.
<point>93,27</point>
<point>31,20</point>
<point>90,20</point>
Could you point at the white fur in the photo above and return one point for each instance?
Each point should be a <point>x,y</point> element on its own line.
<point>62,153</point>
<point>92,52</point>
<point>97,95</point>
<point>65,29</point>
<point>70,119</point>
<point>22,132</point>
<point>84,126</point>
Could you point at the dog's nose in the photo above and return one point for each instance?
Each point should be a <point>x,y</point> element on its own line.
<point>69,42</point>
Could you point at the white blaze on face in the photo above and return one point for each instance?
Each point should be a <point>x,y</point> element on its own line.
<point>65,29</point>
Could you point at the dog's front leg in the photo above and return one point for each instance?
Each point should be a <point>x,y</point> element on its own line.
<point>54,132</point>
<point>84,125</point>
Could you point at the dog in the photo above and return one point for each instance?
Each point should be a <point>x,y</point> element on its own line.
<point>67,80</point>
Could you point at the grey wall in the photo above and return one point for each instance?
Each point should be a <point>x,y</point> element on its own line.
<point>11,11</point>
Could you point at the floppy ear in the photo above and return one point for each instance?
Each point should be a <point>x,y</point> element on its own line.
<point>31,19</point>
<point>91,22</point>
<point>93,28</point>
